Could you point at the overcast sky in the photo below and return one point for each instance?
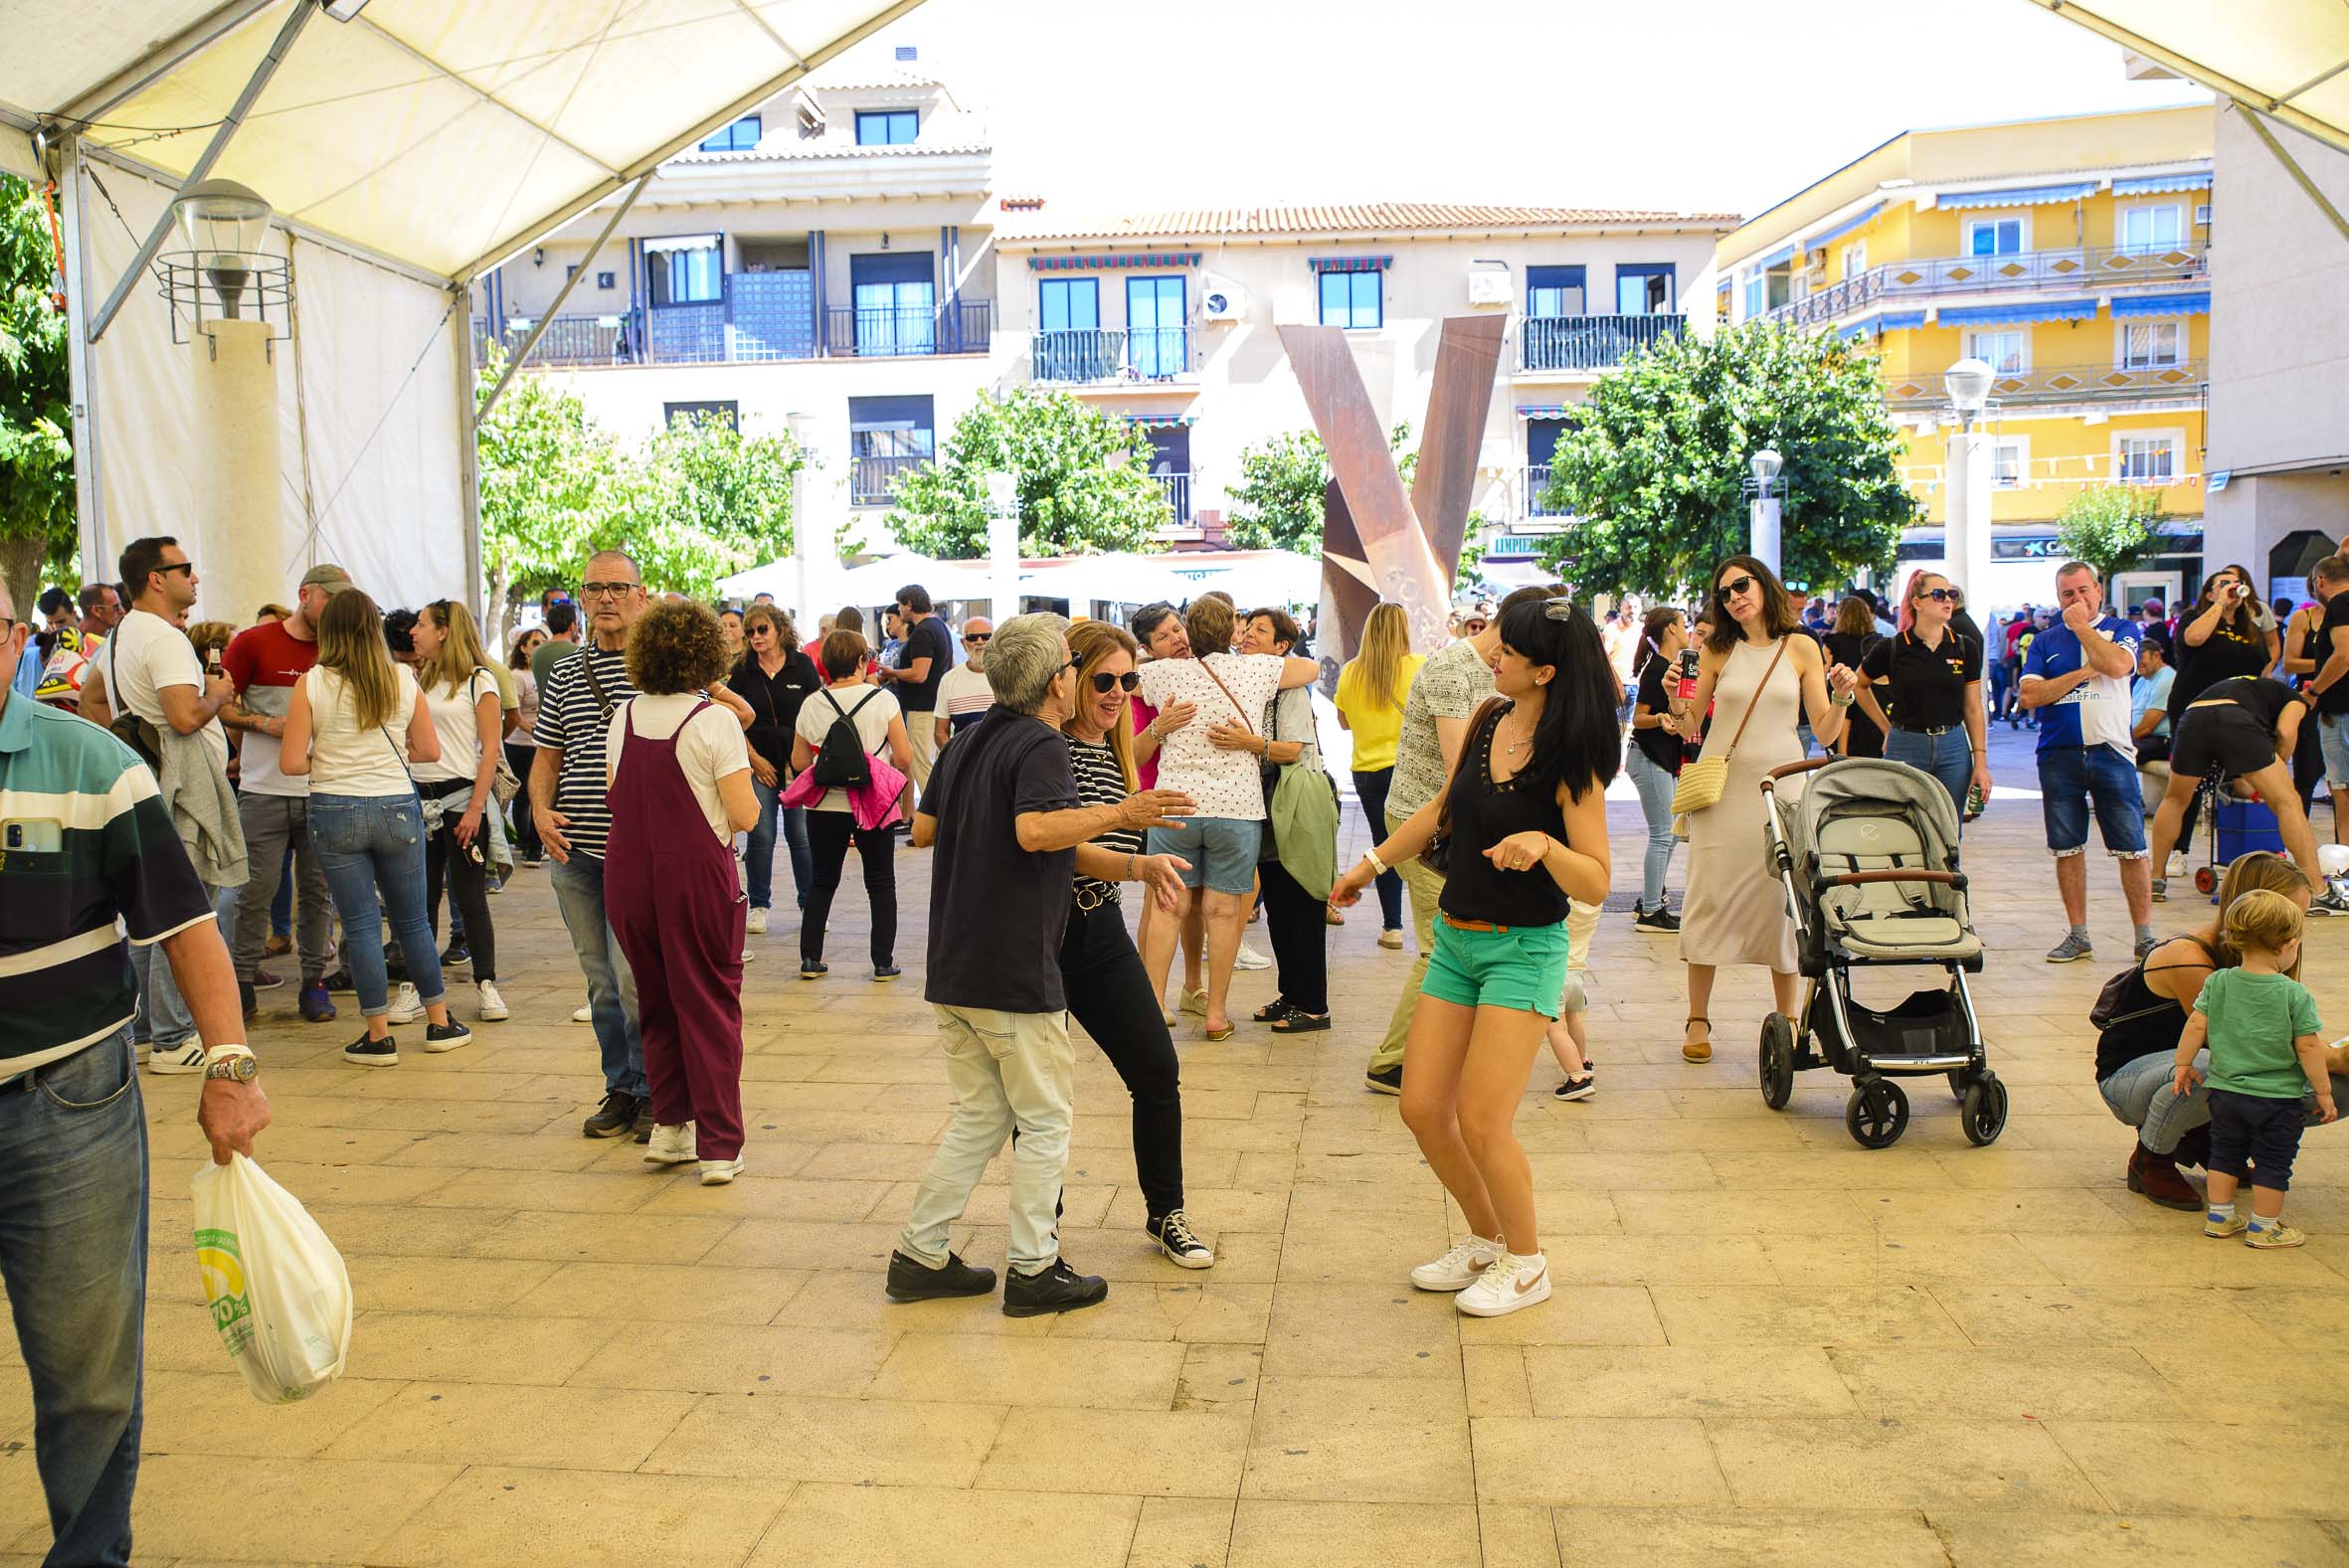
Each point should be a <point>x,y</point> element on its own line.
<point>1685,105</point>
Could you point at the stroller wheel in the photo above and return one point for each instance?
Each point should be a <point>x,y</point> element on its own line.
<point>1984,1110</point>
<point>1876,1114</point>
<point>1777,1061</point>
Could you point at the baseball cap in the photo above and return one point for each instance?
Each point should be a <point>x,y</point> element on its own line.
<point>328,576</point>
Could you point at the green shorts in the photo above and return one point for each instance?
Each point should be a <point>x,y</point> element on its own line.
<point>1523,968</point>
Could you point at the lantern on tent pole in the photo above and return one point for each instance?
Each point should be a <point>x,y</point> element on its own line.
<point>230,300</point>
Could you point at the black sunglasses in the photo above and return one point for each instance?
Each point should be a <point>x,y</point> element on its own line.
<point>1939,595</point>
<point>1738,586</point>
<point>1103,681</point>
<point>177,565</point>
<point>977,636</point>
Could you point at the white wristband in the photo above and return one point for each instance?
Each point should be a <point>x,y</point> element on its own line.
<point>1376,865</point>
<point>228,1052</point>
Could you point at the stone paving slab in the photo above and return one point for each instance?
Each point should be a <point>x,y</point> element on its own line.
<point>1767,1345</point>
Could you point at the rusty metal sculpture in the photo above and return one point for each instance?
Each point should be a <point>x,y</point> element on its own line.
<point>1377,542</point>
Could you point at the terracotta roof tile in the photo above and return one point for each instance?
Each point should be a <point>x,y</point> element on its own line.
<point>1368,218</point>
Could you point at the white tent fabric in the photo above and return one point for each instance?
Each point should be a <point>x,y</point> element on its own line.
<point>444,133</point>
<point>2285,58</point>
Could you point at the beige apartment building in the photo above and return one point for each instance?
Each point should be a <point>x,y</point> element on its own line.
<point>839,264</point>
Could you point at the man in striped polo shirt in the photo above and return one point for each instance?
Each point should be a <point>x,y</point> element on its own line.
<point>84,842</point>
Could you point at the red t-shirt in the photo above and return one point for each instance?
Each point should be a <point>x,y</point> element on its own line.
<point>265,662</point>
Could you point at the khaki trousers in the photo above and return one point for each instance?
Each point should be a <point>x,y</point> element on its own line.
<point>1009,1071</point>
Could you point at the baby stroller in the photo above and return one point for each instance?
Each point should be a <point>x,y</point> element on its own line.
<point>1866,855</point>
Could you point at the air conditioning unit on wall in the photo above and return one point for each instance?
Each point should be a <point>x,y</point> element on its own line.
<point>1222,300</point>
<point>1488,284</point>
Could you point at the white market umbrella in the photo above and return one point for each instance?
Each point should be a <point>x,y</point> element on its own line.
<point>877,582</point>
<point>1119,578</point>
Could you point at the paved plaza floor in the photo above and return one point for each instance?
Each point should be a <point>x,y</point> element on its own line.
<point>1767,1345</point>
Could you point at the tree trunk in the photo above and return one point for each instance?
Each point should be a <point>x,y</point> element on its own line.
<point>498,612</point>
<point>20,568</point>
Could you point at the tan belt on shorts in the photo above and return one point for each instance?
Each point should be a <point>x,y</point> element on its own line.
<point>1471,924</point>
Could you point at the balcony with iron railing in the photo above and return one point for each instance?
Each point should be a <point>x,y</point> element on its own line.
<point>1536,483</point>
<point>1939,276</point>
<point>1177,489</point>
<point>1082,356</point>
<point>872,479</point>
<point>759,317</point>
<point>1550,344</point>
<point>2060,383</point>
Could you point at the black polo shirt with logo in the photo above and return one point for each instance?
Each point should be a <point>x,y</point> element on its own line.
<point>1928,685</point>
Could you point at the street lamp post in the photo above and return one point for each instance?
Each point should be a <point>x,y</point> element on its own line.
<point>1002,545</point>
<point>1966,529</point>
<point>1762,512</point>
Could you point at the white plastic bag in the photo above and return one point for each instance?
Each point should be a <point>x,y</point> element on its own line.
<point>279,1293</point>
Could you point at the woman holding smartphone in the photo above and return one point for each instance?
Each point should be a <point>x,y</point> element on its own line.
<point>1657,747</point>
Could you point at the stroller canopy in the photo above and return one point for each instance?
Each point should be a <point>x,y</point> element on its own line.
<point>1870,787</point>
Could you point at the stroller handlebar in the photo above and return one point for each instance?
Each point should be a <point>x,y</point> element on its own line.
<point>1792,768</point>
<point>1955,879</point>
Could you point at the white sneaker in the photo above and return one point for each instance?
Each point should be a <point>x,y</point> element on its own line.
<point>188,1058</point>
<point>494,1007</point>
<point>583,1014</point>
<point>720,1172</point>
<point>1249,959</point>
<point>1511,1282</point>
<point>670,1145</point>
<point>1460,1268</point>
<point>406,1007</point>
<point>2177,865</point>
<point>748,952</point>
<point>757,924</point>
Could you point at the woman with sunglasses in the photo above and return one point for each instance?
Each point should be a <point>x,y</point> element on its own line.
<point>1752,673</point>
<point>775,678</point>
<point>2227,631</point>
<point>1524,809</point>
<point>1931,676</point>
<point>1109,993</point>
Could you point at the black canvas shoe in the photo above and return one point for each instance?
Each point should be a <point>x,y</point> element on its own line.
<point>814,969</point>
<point>615,1118</point>
<point>910,1281</point>
<point>457,954</point>
<point>1059,1288</point>
<point>1581,1087</point>
<point>1659,921</point>
<point>364,1052</point>
<point>447,1037</point>
<point>340,980</point>
<point>1385,1079</point>
<point>886,971</point>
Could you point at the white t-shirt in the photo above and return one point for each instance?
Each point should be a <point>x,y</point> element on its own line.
<point>964,695</point>
<point>1225,784</point>
<point>457,720</point>
<point>710,749</point>
<point>370,763</point>
<point>147,654</point>
<point>818,716</point>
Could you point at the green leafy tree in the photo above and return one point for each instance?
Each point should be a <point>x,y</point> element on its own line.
<point>1276,504</point>
<point>711,501</point>
<point>37,525</point>
<point>1470,574</point>
<point>1655,466</point>
<point>2112,527</point>
<point>1084,481</point>
<point>551,484</point>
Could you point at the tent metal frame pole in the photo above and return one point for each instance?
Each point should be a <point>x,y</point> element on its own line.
<point>89,491</point>
<point>2291,166</point>
<point>547,316</point>
<point>299,19</point>
<point>468,455</point>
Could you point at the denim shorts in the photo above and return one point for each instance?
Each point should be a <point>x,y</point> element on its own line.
<point>2332,739</point>
<point>2070,779</point>
<point>1221,851</point>
<point>1523,968</point>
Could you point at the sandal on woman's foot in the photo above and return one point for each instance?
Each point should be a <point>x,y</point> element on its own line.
<point>1301,1023</point>
<point>1222,1034</point>
<point>1272,1012</point>
<point>1696,1050</point>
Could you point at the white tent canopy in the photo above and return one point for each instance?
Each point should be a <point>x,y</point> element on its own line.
<point>405,150</point>
<point>2288,58</point>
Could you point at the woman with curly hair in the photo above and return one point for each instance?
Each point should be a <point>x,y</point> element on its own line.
<point>680,778</point>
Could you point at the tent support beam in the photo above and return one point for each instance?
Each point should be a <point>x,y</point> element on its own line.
<point>2195,70</point>
<point>469,454</point>
<point>546,317</point>
<point>2291,166</point>
<point>296,21</point>
<point>89,492</point>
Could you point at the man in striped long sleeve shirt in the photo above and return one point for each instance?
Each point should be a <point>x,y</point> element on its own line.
<point>87,853</point>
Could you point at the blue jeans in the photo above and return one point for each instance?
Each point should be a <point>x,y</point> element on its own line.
<point>369,845</point>
<point>1948,757</point>
<point>794,823</point>
<point>2070,779</point>
<point>611,984</point>
<point>161,1019</point>
<point>1655,788</point>
<point>74,1254</point>
<point>1372,787</point>
<point>2141,1094</point>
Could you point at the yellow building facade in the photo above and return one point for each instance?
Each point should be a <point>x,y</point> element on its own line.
<point>2072,255</point>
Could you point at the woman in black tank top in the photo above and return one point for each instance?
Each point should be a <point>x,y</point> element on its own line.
<point>2136,1054</point>
<point>1525,826</point>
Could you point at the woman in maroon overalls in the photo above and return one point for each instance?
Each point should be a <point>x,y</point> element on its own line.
<point>680,779</point>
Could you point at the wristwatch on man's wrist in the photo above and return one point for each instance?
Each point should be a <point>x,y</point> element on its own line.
<point>236,1063</point>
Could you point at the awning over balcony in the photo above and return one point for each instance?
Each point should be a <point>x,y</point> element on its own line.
<point>2194,304</point>
<point>1902,321</point>
<point>1868,329</point>
<point>1777,259</point>
<point>2017,196</point>
<point>1350,264</point>
<point>1859,220</point>
<point>1541,411</point>
<point>682,242</point>
<point>1161,422</point>
<point>1112,263</point>
<point>2157,184</point>
<point>2020,312</point>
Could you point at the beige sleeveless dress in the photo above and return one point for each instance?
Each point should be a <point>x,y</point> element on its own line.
<point>1736,908</point>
